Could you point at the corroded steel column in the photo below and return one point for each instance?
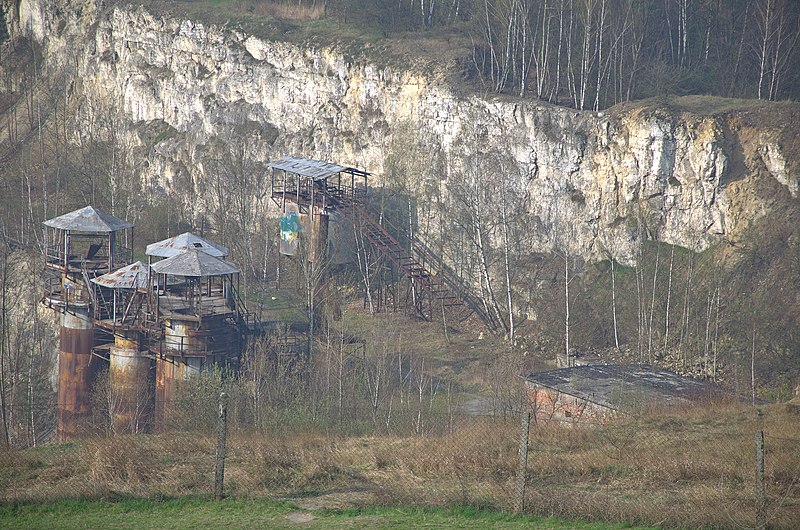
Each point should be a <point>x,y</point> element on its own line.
<point>318,244</point>
<point>168,369</point>
<point>131,380</point>
<point>172,369</point>
<point>76,374</point>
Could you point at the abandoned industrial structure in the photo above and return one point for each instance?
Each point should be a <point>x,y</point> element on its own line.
<point>154,325</point>
<point>596,393</point>
<point>158,323</point>
<point>309,193</point>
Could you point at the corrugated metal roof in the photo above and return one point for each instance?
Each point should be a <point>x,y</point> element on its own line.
<point>316,169</point>
<point>134,276</point>
<point>195,263</point>
<point>184,242</point>
<point>88,219</point>
<point>625,386</point>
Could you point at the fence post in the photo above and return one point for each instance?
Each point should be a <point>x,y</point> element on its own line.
<point>761,499</point>
<point>522,466</point>
<point>222,429</point>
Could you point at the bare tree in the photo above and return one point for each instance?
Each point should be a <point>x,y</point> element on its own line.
<point>766,23</point>
<point>5,350</point>
<point>753,367</point>
<point>669,297</point>
<point>652,309</point>
<point>376,375</point>
<point>610,256</point>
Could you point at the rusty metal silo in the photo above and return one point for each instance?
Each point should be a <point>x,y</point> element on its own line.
<point>131,382</point>
<point>195,303</point>
<point>76,373</point>
<point>78,246</point>
<point>131,373</point>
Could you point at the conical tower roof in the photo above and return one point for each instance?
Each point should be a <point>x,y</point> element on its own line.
<point>195,263</point>
<point>88,219</point>
<point>182,243</point>
<point>134,276</point>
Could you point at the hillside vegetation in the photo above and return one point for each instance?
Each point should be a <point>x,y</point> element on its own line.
<point>588,54</point>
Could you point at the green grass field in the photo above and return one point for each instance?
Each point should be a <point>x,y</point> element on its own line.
<point>236,513</point>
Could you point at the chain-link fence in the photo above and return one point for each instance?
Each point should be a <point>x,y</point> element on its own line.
<point>724,466</point>
<point>671,469</point>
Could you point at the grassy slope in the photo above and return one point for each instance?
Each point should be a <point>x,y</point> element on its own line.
<point>683,468</point>
<point>240,513</point>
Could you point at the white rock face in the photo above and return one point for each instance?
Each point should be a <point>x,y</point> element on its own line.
<point>593,175</point>
<point>776,164</point>
<point>32,19</point>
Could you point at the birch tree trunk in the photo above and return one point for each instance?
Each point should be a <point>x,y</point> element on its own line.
<point>614,303</point>
<point>652,310</point>
<point>669,297</point>
<point>715,343</point>
<point>566,301</point>
<point>765,10</point>
<point>753,367</point>
<point>506,250</point>
<point>4,350</point>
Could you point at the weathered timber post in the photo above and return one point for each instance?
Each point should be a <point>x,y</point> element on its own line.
<point>222,429</point>
<point>761,499</point>
<point>522,466</point>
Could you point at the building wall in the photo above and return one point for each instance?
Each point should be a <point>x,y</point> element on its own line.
<point>549,405</point>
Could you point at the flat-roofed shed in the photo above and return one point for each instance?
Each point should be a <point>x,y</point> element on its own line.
<point>315,183</point>
<point>598,391</point>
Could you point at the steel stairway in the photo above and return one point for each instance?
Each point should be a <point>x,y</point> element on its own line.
<point>438,289</point>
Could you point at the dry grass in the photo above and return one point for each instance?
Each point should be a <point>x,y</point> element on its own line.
<point>125,462</point>
<point>291,11</point>
<point>683,468</point>
<point>689,468</point>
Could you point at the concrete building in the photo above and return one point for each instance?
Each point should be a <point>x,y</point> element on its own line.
<point>595,394</point>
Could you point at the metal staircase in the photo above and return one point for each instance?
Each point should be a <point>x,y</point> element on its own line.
<point>436,287</point>
<point>248,322</point>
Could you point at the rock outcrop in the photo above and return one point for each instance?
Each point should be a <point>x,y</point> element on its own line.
<point>609,177</point>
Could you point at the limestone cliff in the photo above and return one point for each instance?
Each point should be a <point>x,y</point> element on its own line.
<point>687,178</point>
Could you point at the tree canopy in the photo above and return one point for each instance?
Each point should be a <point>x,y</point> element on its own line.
<point>591,54</point>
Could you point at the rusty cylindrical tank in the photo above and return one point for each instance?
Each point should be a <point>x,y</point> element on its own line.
<point>76,374</point>
<point>131,380</point>
<point>317,246</point>
<point>172,367</point>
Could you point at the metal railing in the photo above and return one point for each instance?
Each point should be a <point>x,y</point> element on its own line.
<point>56,256</point>
<point>221,340</point>
<point>432,262</point>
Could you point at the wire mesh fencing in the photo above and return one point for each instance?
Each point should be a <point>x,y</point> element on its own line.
<point>674,469</point>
